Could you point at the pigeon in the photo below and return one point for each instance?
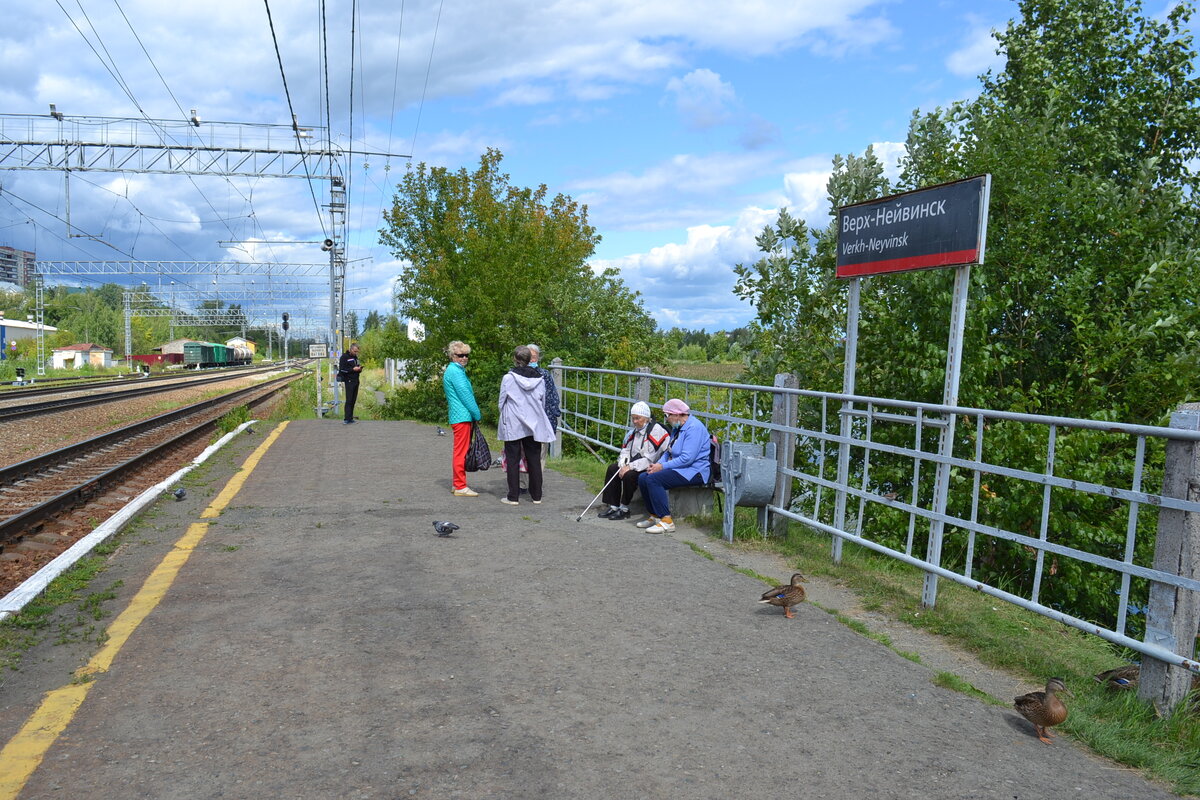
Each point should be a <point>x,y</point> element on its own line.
<point>180,493</point>
<point>498,462</point>
<point>444,528</point>
<point>249,430</point>
<point>440,431</point>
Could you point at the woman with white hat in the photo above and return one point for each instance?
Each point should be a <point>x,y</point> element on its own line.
<point>644,445</point>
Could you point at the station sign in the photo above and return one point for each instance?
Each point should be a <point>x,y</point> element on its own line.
<point>318,351</point>
<point>941,226</point>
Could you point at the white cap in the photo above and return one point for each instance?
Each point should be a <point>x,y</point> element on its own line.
<point>640,409</point>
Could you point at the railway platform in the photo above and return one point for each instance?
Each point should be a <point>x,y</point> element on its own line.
<point>295,628</point>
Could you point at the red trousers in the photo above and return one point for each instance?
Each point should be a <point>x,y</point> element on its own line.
<point>462,441</point>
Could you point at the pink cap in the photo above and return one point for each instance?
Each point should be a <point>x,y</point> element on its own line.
<point>675,406</point>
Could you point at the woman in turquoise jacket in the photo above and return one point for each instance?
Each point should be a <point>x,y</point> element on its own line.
<point>460,399</point>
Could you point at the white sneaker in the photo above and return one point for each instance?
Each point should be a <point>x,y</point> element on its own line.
<point>662,527</point>
<point>466,491</point>
<point>508,502</point>
<point>648,522</point>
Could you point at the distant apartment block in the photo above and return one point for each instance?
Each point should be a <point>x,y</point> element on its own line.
<point>17,266</point>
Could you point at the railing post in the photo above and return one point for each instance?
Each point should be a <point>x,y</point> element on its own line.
<point>641,387</point>
<point>556,373</point>
<point>1173,614</point>
<point>783,412</point>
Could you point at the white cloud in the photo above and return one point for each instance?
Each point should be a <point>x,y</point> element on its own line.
<point>977,56</point>
<point>524,95</point>
<point>684,189</point>
<point>702,98</point>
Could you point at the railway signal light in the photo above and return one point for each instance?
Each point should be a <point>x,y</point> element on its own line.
<point>285,320</point>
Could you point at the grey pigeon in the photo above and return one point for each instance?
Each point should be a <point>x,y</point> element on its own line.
<point>444,528</point>
<point>249,430</point>
<point>496,462</point>
<point>440,431</point>
<point>180,493</point>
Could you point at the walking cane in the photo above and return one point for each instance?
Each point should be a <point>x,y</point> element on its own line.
<point>597,497</point>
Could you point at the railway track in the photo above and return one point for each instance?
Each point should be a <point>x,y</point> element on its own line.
<point>134,388</point>
<point>84,383</point>
<point>38,489</point>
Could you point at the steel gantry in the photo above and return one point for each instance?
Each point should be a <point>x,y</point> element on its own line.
<point>185,147</point>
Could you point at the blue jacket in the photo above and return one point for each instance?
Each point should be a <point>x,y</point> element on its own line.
<point>553,409</point>
<point>688,453</point>
<point>460,396</point>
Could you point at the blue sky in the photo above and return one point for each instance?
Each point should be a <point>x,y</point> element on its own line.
<point>683,125</point>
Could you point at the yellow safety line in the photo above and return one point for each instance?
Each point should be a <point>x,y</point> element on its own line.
<point>25,751</point>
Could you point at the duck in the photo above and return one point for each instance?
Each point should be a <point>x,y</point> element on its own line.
<point>1125,677</point>
<point>1043,709</point>
<point>786,596</point>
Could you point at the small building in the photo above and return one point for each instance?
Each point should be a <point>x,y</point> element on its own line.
<point>238,341</point>
<point>76,356</point>
<point>173,346</point>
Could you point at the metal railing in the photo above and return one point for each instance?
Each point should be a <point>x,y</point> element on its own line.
<point>866,470</point>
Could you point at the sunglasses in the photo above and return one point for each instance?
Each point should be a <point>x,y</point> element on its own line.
<point>462,355</point>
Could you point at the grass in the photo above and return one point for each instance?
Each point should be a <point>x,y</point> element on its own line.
<point>1114,724</point>
<point>24,630</point>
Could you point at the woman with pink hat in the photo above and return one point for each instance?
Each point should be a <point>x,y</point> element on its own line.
<point>686,464</point>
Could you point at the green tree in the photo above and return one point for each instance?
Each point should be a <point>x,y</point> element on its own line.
<point>497,266</point>
<point>1087,304</point>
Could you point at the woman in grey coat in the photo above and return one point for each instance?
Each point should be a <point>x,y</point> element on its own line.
<point>524,425</point>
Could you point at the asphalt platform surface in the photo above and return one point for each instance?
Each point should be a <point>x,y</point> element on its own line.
<point>324,642</point>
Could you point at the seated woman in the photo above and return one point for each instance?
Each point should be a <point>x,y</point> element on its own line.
<point>645,444</point>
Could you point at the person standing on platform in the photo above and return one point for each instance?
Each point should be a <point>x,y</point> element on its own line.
<point>686,464</point>
<point>463,410</point>
<point>524,425</point>
<point>347,374</point>
<point>644,445</point>
<point>553,409</point>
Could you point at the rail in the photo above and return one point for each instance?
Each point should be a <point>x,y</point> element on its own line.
<point>864,470</point>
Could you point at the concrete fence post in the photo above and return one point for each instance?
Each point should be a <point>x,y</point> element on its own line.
<point>556,373</point>
<point>783,412</point>
<point>1173,614</point>
<point>641,388</point>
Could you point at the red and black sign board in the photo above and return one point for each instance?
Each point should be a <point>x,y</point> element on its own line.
<point>942,226</point>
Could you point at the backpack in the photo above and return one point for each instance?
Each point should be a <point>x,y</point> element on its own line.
<point>714,460</point>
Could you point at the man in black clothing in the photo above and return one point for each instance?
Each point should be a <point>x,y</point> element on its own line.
<point>348,369</point>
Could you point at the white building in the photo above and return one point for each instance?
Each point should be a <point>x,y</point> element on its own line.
<point>11,330</point>
<point>76,356</point>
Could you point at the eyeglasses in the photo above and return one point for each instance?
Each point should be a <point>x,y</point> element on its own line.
<point>462,355</point>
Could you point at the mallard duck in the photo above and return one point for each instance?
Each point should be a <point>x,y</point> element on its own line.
<point>1125,677</point>
<point>1043,709</point>
<point>786,596</point>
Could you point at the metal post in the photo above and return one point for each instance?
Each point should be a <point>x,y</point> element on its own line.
<point>844,427</point>
<point>556,374</point>
<point>1173,614</point>
<point>783,412</point>
<point>317,378</point>
<point>40,305</point>
<point>128,329</point>
<point>941,487</point>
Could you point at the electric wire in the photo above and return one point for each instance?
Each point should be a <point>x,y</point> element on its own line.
<point>428,69</point>
<point>151,60</point>
<point>295,128</point>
